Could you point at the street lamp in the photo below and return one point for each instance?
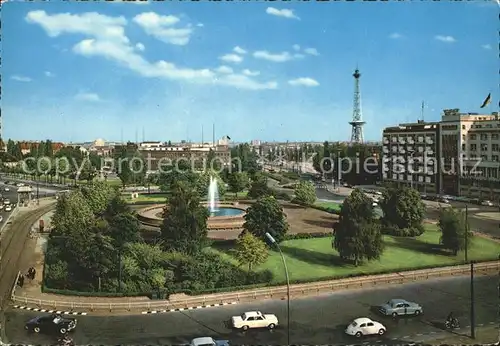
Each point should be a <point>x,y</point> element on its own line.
<point>274,242</point>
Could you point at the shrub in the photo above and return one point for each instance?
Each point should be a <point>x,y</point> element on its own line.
<point>308,235</point>
<point>326,209</point>
<point>403,232</point>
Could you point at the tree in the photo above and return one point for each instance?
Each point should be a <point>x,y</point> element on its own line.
<point>357,236</point>
<point>238,181</point>
<point>266,216</point>
<point>250,250</point>
<point>184,227</point>
<point>403,211</point>
<point>454,230</point>
<point>305,193</point>
<point>259,188</point>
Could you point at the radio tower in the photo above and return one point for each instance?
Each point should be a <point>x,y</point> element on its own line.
<point>357,119</point>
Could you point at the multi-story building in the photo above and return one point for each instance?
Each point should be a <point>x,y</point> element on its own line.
<point>467,153</point>
<point>410,153</point>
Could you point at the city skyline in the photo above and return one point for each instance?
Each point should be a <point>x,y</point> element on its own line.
<point>263,72</point>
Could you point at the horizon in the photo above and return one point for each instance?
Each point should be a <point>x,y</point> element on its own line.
<point>110,70</point>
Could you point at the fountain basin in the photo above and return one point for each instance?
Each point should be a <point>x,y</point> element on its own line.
<point>227,217</point>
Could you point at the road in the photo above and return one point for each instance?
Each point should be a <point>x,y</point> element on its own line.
<point>315,320</point>
<point>12,196</point>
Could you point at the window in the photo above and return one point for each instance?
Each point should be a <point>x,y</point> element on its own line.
<point>463,127</point>
<point>484,147</point>
<point>472,136</point>
<point>463,147</point>
<point>473,147</point>
<point>494,147</point>
<point>484,137</point>
<point>494,136</point>
<point>494,158</point>
<point>427,179</point>
<point>484,157</point>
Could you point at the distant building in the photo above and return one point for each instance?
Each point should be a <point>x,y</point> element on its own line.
<point>26,146</point>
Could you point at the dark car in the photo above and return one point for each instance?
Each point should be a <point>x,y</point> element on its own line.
<point>51,324</point>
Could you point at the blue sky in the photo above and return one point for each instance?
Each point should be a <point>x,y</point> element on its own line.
<point>270,71</point>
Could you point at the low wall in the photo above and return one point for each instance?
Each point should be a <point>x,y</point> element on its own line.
<point>279,292</point>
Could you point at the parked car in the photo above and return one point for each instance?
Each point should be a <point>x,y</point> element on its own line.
<point>1,218</point>
<point>487,203</point>
<point>208,341</point>
<point>254,319</point>
<point>400,307</point>
<point>8,207</point>
<point>51,324</point>
<point>6,201</point>
<point>365,326</point>
<point>1,206</point>
<point>6,189</point>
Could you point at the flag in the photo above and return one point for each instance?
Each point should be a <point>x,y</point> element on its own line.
<point>486,101</point>
<point>229,138</point>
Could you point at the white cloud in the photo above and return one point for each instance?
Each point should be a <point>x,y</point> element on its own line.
<point>106,39</point>
<point>298,56</point>
<point>304,81</point>
<point>239,50</point>
<point>281,13</point>
<point>87,97</point>
<point>279,57</point>
<point>140,47</point>
<point>21,78</point>
<point>296,47</point>
<point>247,72</point>
<point>231,58</point>
<point>486,46</point>
<point>161,28</point>
<point>48,74</point>
<point>224,69</point>
<point>311,51</point>
<point>395,35</point>
<point>200,25</point>
<point>442,38</point>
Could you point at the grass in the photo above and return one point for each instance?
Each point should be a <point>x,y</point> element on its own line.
<point>314,259</point>
<point>330,205</point>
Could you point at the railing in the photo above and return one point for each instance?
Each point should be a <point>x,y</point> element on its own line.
<point>265,293</point>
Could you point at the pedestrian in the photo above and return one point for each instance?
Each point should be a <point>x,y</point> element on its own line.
<point>33,273</point>
<point>21,280</point>
<point>30,273</point>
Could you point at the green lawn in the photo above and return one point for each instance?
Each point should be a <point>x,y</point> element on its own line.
<point>313,259</point>
<point>330,205</point>
<point>160,198</point>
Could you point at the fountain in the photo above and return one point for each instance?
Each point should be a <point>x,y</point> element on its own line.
<point>213,196</point>
<point>213,202</point>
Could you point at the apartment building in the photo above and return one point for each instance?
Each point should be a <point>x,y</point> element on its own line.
<point>410,155</point>
<point>466,149</point>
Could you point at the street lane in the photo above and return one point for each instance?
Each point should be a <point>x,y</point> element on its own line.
<point>315,320</point>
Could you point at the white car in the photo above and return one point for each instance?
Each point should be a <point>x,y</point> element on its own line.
<point>208,341</point>
<point>8,207</point>
<point>254,319</point>
<point>6,189</point>
<point>1,218</point>
<point>6,201</point>
<point>487,203</point>
<point>1,206</point>
<point>365,326</point>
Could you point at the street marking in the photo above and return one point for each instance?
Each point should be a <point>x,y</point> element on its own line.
<point>50,311</point>
<point>189,308</point>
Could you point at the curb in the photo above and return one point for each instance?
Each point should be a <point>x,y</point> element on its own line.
<point>184,309</point>
<point>50,311</point>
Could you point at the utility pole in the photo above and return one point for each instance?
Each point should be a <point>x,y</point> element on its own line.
<point>466,233</point>
<point>472,303</point>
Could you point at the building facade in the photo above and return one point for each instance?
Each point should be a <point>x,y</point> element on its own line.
<point>466,149</point>
<point>410,153</point>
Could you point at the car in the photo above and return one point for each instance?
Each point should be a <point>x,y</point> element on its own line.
<point>1,218</point>
<point>8,208</point>
<point>400,307</point>
<point>51,324</point>
<point>365,326</point>
<point>208,341</point>
<point>6,189</point>
<point>6,201</point>
<point>254,319</point>
<point>1,206</point>
<point>487,203</point>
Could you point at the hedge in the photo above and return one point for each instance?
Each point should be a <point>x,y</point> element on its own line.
<point>328,210</point>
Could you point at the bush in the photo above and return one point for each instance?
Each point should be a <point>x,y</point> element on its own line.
<point>308,235</point>
<point>291,175</point>
<point>280,178</point>
<point>282,195</point>
<point>328,210</point>
<point>403,232</point>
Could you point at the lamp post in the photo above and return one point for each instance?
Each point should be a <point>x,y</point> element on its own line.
<point>274,242</point>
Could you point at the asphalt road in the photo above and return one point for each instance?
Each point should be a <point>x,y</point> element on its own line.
<point>12,196</point>
<point>315,320</point>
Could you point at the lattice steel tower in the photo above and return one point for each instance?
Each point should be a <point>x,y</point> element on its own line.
<point>357,118</point>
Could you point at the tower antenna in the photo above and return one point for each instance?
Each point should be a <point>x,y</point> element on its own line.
<point>423,106</point>
<point>202,139</point>
<point>357,118</point>
<point>143,135</point>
